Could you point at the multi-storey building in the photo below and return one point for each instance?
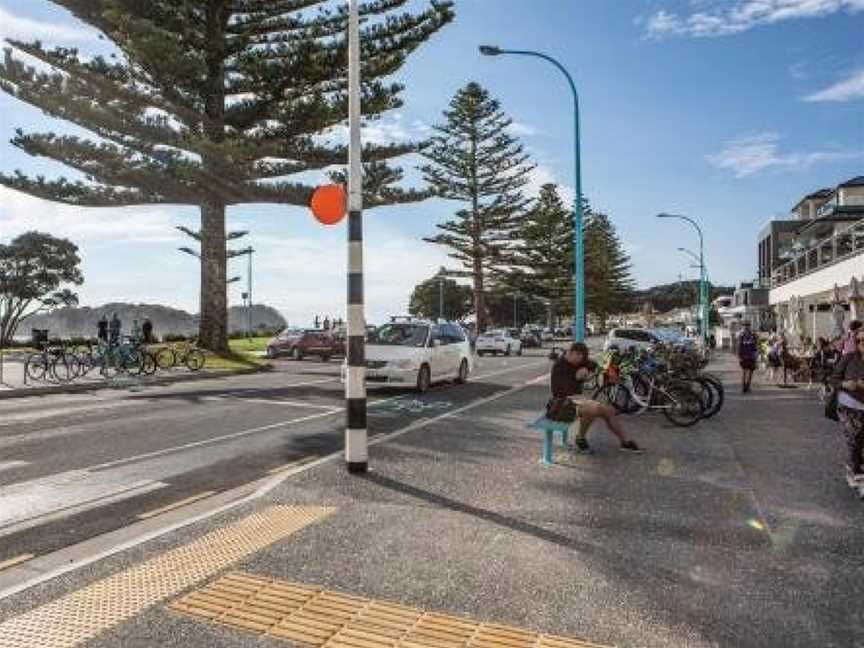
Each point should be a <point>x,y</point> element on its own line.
<point>809,260</point>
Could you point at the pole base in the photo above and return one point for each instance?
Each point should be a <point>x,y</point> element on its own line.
<point>357,467</point>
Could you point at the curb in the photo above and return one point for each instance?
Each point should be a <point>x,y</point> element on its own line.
<point>166,380</point>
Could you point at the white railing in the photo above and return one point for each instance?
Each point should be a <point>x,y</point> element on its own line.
<point>841,245</point>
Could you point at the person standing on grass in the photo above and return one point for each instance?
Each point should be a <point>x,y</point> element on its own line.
<point>747,348</point>
<point>849,345</point>
<point>848,378</point>
<point>569,374</point>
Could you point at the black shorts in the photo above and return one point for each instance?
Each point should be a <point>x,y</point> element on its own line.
<point>748,364</point>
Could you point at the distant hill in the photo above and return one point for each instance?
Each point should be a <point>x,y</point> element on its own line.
<point>675,295</point>
<point>75,322</point>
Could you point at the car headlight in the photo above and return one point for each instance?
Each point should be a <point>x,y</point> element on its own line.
<point>402,364</point>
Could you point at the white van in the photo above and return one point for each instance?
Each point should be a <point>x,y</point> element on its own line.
<point>416,353</point>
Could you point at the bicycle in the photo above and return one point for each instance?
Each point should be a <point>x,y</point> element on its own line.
<point>185,353</point>
<point>51,364</point>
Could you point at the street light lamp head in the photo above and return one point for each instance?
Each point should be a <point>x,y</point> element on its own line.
<point>490,50</point>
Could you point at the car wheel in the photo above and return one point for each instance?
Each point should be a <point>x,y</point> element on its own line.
<point>462,378</point>
<point>519,352</point>
<point>507,352</point>
<point>271,353</point>
<point>480,354</point>
<point>424,379</point>
<point>296,354</point>
<point>325,357</point>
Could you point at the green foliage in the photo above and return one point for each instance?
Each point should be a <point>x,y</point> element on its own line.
<point>474,161</point>
<point>425,299</point>
<point>35,271</point>
<point>608,284</point>
<point>213,103</point>
<point>543,263</point>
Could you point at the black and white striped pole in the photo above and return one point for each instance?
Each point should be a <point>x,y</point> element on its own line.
<point>356,448</point>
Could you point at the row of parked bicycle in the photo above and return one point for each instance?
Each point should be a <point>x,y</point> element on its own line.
<point>64,363</point>
<point>668,379</point>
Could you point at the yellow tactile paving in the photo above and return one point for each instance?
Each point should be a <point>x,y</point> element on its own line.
<point>83,614</point>
<point>323,619</point>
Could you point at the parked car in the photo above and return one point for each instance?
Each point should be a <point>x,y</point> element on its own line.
<point>299,343</point>
<point>531,338</point>
<point>416,353</point>
<point>498,341</point>
<point>627,338</point>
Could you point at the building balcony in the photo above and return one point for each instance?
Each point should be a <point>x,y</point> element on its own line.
<point>824,262</point>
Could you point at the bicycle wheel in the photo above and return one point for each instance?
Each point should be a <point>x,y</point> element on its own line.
<point>680,405</point>
<point>195,360</point>
<point>716,387</point>
<point>132,362</point>
<point>166,358</point>
<point>36,367</point>
<point>149,365</point>
<point>61,370</point>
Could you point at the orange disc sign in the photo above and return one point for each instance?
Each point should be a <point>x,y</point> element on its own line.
<point>328,204</point>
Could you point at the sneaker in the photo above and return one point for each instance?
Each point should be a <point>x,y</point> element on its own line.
<point>630,446</point>
<point>855,480</point>
<point>580,446</point>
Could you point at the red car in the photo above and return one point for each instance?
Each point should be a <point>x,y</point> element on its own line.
<point>298,343</point>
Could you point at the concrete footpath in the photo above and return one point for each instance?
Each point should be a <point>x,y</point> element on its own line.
<point>738,532</point>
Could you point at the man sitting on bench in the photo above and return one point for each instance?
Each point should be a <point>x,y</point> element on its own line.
<point>569,373</point>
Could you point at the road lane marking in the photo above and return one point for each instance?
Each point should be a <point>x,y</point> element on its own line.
<point>54,503</point>
<point>203,442</point>
<point>285,403</point>
<point>169,507</point>
<point>9,465</point>
<point>292,464</point>
<point>17,560</point>
<point>82,614</point>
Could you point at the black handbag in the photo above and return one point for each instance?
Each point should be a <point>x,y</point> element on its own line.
<point>561,410</point>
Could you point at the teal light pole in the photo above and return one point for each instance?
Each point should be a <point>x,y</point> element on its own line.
<point>703,293</point>
<point>702,269</point>
<point>578,244</point>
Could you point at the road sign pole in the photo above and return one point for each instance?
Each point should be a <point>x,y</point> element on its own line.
<point>356,442</point>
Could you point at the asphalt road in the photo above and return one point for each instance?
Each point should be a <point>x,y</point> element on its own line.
<point>79,465</point>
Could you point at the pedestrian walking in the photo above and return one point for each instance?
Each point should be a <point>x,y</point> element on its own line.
<point>102,329</point>
<point>147,331</point>
<point>849,345</point>
<point>114,329</point>
<point>747,348</point>
<point>569,374</point>
<point>848,379</point>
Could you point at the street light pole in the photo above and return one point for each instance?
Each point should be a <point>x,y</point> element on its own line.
<point>250,251</point>
<point>703,294</point>
<point>356,441</point>
<point>515,302</point>
<point>578,242</point>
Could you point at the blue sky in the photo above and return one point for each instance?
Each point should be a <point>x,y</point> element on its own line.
<point>725,110</point>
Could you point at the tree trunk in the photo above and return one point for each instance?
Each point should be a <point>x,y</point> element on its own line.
<point>479,297</point>
<point>213,325</point>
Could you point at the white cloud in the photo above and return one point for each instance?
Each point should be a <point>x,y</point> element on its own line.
<point>741,16</point>
<point>20,212</point>
<point>753,154</point>
<point>519,129</point>
<point>846,90</point>
<point>27,29</point>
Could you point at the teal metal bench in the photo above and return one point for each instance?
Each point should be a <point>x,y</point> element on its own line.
<point>549,428</point>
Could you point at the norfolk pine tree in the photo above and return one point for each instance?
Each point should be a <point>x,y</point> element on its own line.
<point>476,162</point>
<point>609,285</point>
<point>213,103</point>
<point>544,261</point>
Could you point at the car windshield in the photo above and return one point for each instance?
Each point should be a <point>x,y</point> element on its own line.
<point>411,335</point>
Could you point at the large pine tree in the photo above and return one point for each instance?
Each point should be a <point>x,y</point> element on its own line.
<point>608,284</point>
<point>213,103</point>
<point>476,162</point>
<point>543,263</point>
